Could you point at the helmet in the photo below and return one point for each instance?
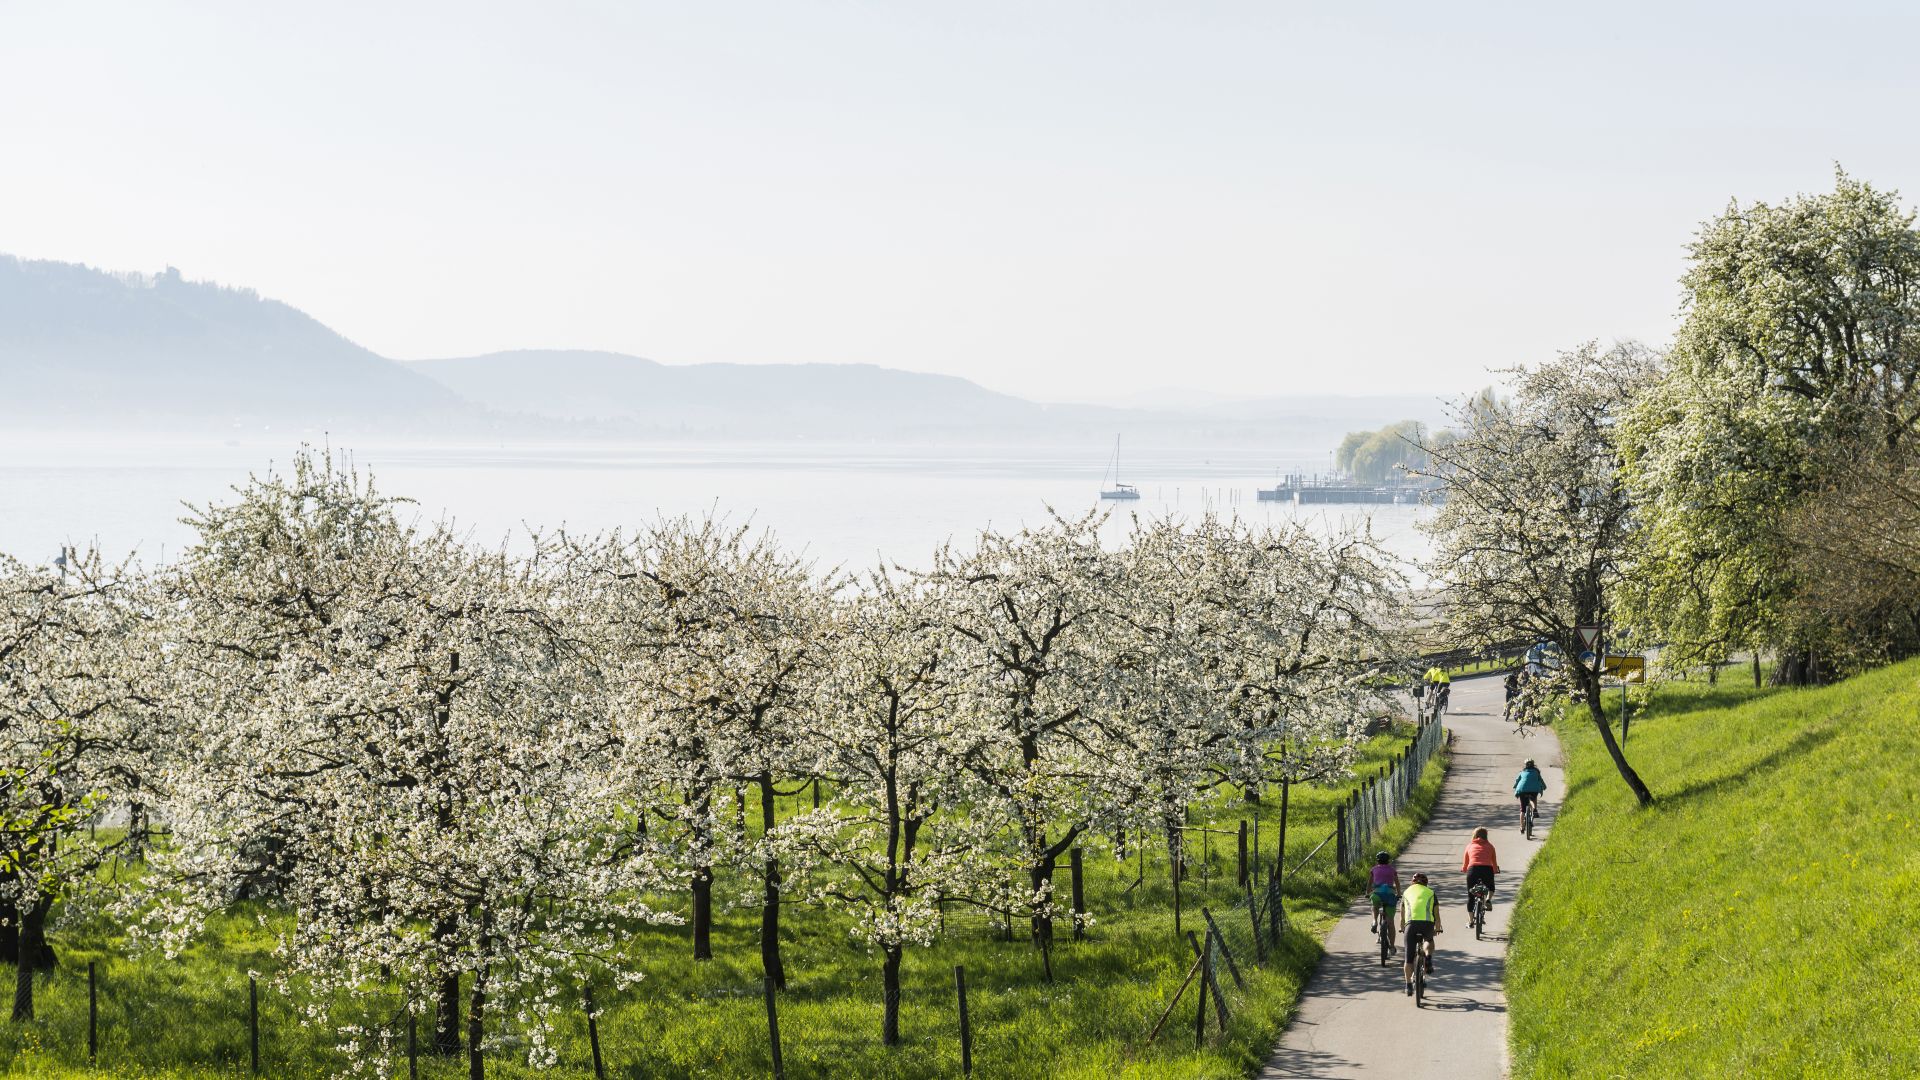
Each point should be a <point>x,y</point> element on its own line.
<point>1419,879</point>
<point>1381,856</point>
<point>1529,763</point>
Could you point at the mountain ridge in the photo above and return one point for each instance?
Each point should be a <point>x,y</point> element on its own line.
<point>80,346</point>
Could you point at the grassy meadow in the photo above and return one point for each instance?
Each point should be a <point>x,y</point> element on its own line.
<point>1758,920</point>
<point>187,1017</point>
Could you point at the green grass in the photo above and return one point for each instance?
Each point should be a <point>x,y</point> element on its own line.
<point>187,1018</point>
<point>1759,920</point>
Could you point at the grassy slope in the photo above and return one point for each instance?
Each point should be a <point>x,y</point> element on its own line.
<point>187,1018</point>
<point>1759,920</point>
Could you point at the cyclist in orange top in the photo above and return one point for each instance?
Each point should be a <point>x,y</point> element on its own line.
<point>1479,863</point>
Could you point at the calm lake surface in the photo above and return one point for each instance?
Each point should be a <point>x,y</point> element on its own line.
<point>849,505</point>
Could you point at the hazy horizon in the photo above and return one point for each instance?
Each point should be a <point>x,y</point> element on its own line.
<point>1061,203</point>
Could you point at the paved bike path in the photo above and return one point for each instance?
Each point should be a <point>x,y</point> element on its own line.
<point>1355,1019</point>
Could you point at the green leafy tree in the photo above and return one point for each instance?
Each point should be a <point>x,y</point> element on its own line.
<point>1375,457</point>
<point>1798,355</point>
<point>1537,531</point>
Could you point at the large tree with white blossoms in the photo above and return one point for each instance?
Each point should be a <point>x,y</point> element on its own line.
<point>713,636</point>
<point>1033,616</point>
<point>76,741</point>
<point>1538,533</point>
<point>1319,628</point>
<point>1795,371</point>
<point>1164,717</point>
<point>900,834</point>
<point>402,729</point>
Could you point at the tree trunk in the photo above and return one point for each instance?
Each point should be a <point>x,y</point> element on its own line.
<point>1590,689</point>
<point>33,951</point>
<point>890,991</point>
<point>476,1027</point>
<point>703,883</point>
<point>703,913</point>
<point>1797,669</point>
<point>1040,877</point>
<point>9,920</point>
<point>770,906</point>
<point>446,1018</point>
<point>23,991</point>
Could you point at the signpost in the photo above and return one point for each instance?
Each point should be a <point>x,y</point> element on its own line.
<point>1589,638</point>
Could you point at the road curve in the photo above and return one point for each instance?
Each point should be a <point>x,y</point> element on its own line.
<point>1355,1019</point>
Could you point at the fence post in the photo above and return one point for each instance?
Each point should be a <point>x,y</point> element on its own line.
<point>1256,839</point>
<point>1200,1002</point>
<point>93,1017</point>
<point>1340,837</point>
<point>593,1030</point>
<point>1219,939</point>
<point>1208,982</point>
<point>253,1023</point>
<point>413,1045</point>
<point>966,1026</point>
<point>1079,894</point>
<point>1176,896</point>
<point>1243,851</point>
<point>773,1030</point>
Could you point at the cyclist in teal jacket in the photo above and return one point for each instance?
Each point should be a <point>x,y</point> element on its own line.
<point>1527,788</point>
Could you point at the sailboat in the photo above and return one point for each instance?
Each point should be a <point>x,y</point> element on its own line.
<point>1118,490</point>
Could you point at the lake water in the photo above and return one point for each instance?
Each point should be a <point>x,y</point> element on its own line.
<point>848,505</point>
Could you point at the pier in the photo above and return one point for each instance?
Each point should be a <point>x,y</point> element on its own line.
<point>1301,489</point>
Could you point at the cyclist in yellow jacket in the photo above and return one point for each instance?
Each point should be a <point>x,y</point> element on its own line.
<point>1438,685</point>
<point>1420,920</point>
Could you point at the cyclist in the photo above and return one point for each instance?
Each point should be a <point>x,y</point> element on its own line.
<point>1420,920</point>
<point>1385,890</point>
<point>1527,788</point>
<point>1437,686</point>
<point>1513,691</point>
<point>1479,863</point>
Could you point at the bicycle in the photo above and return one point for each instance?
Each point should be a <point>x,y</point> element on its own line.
<point>1420,975</point>
<point>1384,924</point>
<point>1479,898</point>
<point>1526,819</point>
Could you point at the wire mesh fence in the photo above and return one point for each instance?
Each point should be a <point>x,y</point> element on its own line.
<point>1383,797</point>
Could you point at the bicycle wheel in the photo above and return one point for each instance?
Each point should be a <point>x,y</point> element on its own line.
<point>1419,981</point>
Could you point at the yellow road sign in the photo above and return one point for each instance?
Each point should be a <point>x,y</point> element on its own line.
<point>1628,668</point>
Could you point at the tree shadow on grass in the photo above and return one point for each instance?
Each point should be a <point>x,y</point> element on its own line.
<point>1743,773</point>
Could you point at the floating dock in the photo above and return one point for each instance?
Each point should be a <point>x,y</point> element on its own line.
<point>1299,490</point>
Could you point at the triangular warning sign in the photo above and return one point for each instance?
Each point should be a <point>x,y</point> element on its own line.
<point>1589,637</point>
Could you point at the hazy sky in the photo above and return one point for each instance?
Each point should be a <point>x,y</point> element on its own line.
<point>1058,200</point>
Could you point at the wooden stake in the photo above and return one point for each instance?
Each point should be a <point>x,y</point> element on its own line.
<point>966,1025</point>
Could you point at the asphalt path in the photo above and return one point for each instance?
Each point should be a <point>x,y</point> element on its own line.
<point>1354,1017</point>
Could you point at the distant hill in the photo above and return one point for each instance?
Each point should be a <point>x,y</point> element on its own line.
<point>80,345</point>
<point>741,400</point>
<point>84,349</point>
<point>862,401</point>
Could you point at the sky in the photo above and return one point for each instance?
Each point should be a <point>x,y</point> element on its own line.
<point>1064,201</point>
